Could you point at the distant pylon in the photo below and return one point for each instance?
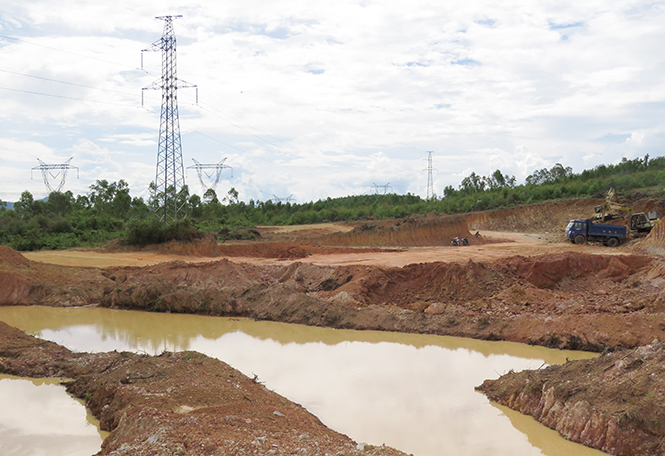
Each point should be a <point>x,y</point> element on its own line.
<point>170,175</point>
<point>430,180</point>
<point>62,174</point>
<point>200,170</point>
<point>385,189</point>
<point>276,199</point>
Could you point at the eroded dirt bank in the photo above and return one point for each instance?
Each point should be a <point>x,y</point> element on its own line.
<point>613,403</point>
<point>568,300</point>
<point>177,404</point>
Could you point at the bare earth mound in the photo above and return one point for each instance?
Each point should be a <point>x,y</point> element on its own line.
<point>417,230</point>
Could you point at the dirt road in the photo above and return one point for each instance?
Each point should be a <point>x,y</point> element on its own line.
<point>498,245</point>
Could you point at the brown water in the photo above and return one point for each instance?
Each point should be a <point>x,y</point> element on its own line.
<point>412,392</point>
<point>38,417</point>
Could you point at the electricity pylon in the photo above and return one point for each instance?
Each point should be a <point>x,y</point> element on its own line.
<point>385,189</point>
<point>170,175</point>
<point>200,170</point>
<point>430,181</point>
<point>276,199</point>
<point>62,173</point>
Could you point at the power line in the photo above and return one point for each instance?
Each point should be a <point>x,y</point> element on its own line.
<point>69,52</point>
<point>65,82</point>
<point>66,97</point>
<point>294,150</point>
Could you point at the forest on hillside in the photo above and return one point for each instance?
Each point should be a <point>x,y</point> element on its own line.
<point>109,211</point>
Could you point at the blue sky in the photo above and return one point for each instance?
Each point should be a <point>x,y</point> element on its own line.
<point>326,100</point>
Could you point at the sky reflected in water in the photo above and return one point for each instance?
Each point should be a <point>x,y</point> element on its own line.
<point>412,392</point>
<point>38,418</point>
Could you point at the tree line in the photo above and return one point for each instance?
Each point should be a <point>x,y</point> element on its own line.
<point>108,211</point>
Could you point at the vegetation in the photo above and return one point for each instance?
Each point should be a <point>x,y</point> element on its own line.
<point>109,212</point>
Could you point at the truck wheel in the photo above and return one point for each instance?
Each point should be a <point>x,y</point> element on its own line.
<point>612,242</point>
<point>579,239</point>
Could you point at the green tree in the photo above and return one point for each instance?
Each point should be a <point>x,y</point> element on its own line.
<point>210,196</point>
<point>111,198</point>
<point>232,197</point>
<point>60,203</point>
<point>472,184</point>
<point>23,206</point>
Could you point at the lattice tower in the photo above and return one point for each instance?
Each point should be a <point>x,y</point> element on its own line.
<point>276,199</point>
<point>47,174</point>
<point>213,177</point>
<point>170,175</point>
<point>430,180</point>
<point>382,189</point>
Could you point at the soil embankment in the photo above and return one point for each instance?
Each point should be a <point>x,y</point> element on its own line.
<point>570,300</point>
<point>613,403</point>
<point>177,403</point>
<point>550,217</point>
<point>417,230</point>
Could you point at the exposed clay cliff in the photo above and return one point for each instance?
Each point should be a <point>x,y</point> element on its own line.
<point>613,403</point>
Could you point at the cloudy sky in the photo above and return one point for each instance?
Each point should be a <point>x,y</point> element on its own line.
<point>319,99</point>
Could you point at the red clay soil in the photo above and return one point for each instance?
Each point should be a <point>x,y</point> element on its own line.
<point>569,300</point>
<point>613,403</point>
<point>533,218</point>
<point>417,230</point>
<point>24,282</point>
<point>281,250</point>
<point>575,297</point>
<point>177,404</point>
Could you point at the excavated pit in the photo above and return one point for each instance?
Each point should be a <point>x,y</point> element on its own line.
<point>556,295</point>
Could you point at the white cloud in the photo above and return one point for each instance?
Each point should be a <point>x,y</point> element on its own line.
<point>321,100</point>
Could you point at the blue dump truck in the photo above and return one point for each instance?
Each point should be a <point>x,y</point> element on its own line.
<point>581,231</point>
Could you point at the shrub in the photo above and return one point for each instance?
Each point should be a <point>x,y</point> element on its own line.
<point>152,231</point>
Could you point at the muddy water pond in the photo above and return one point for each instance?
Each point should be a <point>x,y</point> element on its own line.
<point>37,417</point>
<point>412,392</point>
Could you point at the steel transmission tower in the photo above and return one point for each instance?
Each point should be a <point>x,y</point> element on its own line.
<point>382,189</point>
<point>62,173</point>
<point>170,176</point>
<point>217,173</point>
<point>276,199</point>
<point>430,180</point>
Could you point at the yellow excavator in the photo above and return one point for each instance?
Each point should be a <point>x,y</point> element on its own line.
<point>641,224</point>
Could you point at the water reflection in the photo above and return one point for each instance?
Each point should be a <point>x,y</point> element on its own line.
<point>544,437</point>
<point>408,391</point>
<point>38,417</point>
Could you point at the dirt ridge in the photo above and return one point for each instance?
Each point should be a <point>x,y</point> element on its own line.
<point>612,403</point>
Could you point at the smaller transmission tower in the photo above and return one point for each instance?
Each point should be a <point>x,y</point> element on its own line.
<point>430,180</point>
<point>213,177</point>
<point>382,189</point>
<point>47,174</point>
<point>276,199</point>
